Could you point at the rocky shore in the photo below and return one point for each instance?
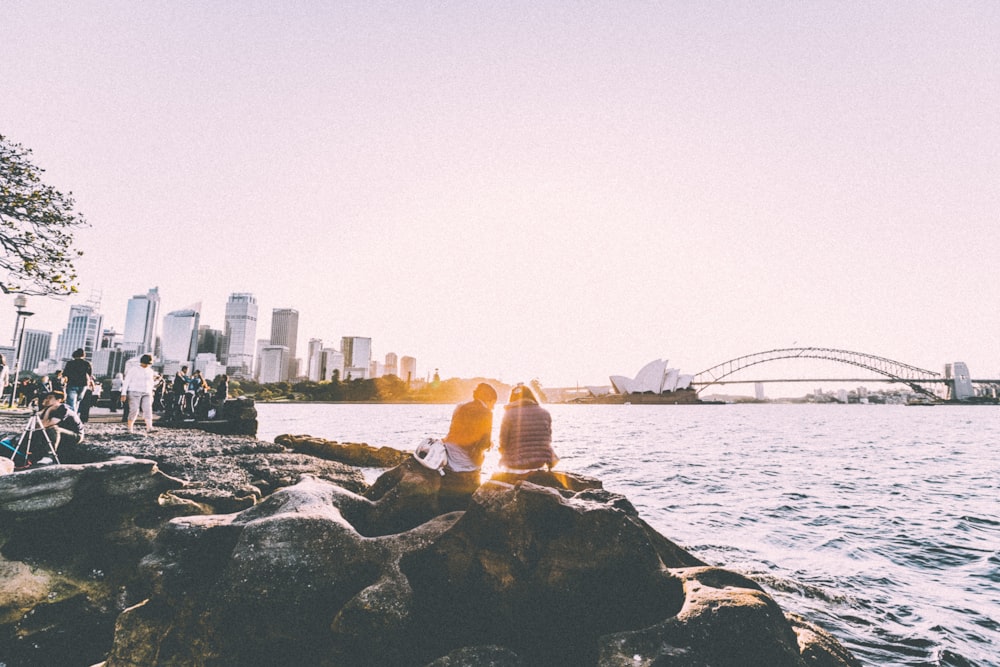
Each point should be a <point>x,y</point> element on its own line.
<point>190,548</point>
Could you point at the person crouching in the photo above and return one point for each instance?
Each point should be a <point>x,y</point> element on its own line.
<point>61,424</point>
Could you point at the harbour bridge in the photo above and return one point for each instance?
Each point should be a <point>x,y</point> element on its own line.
<point>960,384</point>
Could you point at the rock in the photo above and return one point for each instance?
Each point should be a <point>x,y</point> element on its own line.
<point>72,536</point>
<point>351,453</point>
<point>528,575</point>
<point>123,554</point>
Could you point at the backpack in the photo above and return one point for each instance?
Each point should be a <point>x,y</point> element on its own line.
<point>432,454</point>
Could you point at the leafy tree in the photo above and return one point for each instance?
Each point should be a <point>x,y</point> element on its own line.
<point>36,225</point>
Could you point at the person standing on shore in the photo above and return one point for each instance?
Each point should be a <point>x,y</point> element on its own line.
<point>138,387</point>
<point>221,390</point>
<point>77,373</point>
<point>526,433</point>
<point>4,374</point>
<point>469,437</point>
<point>116,391</point>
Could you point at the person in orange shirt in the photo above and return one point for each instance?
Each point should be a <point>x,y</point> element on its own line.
<point>469,437</point>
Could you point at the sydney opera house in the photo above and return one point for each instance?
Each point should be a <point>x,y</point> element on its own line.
<point>654,383</point>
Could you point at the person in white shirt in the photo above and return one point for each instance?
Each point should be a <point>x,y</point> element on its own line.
<point>138,387</point>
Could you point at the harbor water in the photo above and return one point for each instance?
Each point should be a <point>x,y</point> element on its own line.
<point>879,523</point>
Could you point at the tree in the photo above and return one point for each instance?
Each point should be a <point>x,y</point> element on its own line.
<point>36,225</point>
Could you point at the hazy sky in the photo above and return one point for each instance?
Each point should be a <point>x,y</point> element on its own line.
<point>560,190</point>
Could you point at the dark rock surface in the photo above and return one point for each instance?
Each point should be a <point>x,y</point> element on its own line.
<point>185,548</point>
<point>358,454</point>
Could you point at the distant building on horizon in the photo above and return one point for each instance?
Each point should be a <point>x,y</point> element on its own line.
<point>37,345</point>
<point>273,364</point>
<point>141,320</point>
<point>110,360</point>
<point>357,351</point>
<point>391,366</point>
<point>211,341</point>
<point>408,369</point>
<point>314,360</point>
<point>285,332</point>
<point>241,334</point>
<point>180,335</point>
<point>83,331</point>
<point>331,364</point>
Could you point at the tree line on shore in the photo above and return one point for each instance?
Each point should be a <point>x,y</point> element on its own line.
<point>387,389</point>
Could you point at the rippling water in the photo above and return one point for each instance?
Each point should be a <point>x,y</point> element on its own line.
<point>879,523</point>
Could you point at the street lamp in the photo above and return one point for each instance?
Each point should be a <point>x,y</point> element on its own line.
<point>20,301</point>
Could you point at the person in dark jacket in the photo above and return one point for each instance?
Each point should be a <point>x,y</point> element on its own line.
<point>77,373</point>
<point>526,433</point>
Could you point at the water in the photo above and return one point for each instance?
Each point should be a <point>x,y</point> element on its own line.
<point>879,523</point>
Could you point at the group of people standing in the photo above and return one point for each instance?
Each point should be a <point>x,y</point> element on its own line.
<point>525,442</point>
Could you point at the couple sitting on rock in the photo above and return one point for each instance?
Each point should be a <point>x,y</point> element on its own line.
<point>414,491</point>
<point>525,438</point>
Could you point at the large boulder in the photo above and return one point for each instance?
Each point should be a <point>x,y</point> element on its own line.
<point>529,574</point>
<point>70,540</point>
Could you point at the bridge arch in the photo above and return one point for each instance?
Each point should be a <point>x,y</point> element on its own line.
<point>894,370</point>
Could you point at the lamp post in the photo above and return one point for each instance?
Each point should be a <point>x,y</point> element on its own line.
<point>20,301</point>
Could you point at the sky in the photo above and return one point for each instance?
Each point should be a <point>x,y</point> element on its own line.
<point>518,190</point>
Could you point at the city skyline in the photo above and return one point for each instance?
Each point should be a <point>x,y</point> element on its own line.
<point>531,191</point>
<point>185,337</point>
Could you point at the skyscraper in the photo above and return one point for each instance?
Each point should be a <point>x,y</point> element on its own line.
<point>285,328</point>
<point>391,364</point>
<point>211,341</point>
<point>273,363</point>
<point>357,353</point>
<point>314,362</point>
<point>241,334</point>
<point>141,319</point>
<point>285,332</point>
<point>83,330</point>
<point>36,348</point>
<point>180,334</point>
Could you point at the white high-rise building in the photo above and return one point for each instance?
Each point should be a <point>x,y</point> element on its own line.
<point>331,362</point>
<point>313,360</point>
<point>141,319</point>
<point>83,331</point>
<point>180,334</point>
<point>273,363</point>
<point>241,334</point>
<point>285,331</point>
<point>391,364</point>
<point>36,349</point>
<point>357,353</point>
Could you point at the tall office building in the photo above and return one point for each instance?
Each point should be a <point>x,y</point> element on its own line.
<point>241,334</point>
<point>313,360</point>
<point>36,349</point>
<point>180,334</point>
<point>110,360</point>
<point>285,332</point>
<point>273,364</point>
<point>331,363</point>
<point>408,369</point>
<point>357,353</point>
<point>391,364</point>
<point>141,319</point>
<point>83,330</point>
<point>285,328</point>
<point>211,341</point>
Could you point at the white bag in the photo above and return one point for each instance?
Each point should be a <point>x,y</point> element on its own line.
<point>431,453</point>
